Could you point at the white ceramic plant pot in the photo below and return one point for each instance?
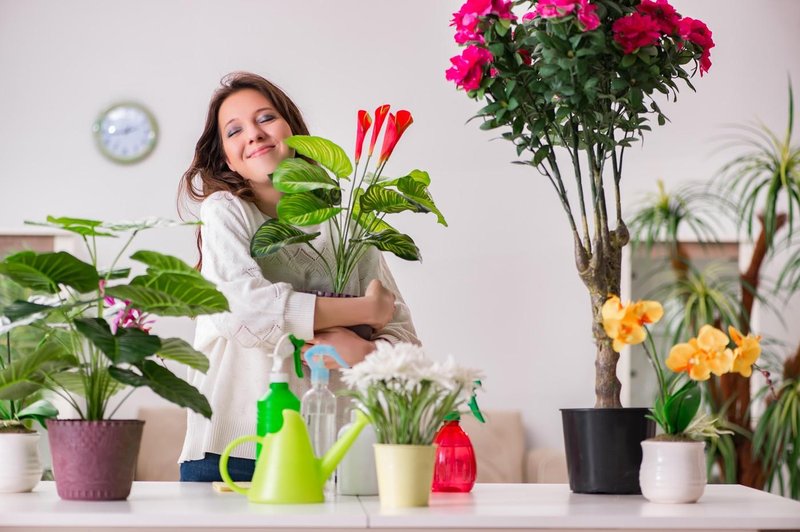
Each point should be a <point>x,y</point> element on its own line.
<point>673,471</point>
<point>21,469</point>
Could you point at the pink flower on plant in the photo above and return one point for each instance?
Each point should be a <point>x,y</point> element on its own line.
<point>663,13</point>
<point>584,11</point>
<point>555,8</point>
<point>587,16</point>
<point>380,116</point>
<point>131,318</point>
<point>395,128</point>
<point>635,31</point>
<point>364,121</point>
<point>530,15</point>
<point>696,32</point>
<point>467,18</point>
<point>467,69</point>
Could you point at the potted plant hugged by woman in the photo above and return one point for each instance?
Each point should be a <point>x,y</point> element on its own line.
<point>311,196</point>
<point>406,397</point>
<point>95,341</point>
<point>577,81</point>
<point>673,467</point>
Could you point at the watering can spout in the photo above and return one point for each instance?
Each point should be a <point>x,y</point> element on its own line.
<point>340,448</point>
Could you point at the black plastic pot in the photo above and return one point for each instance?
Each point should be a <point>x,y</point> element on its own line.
<point>603,448</point>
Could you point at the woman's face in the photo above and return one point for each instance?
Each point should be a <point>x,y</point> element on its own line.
<point>252,135</point>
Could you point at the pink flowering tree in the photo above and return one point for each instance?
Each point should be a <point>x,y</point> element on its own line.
<point>573,84</point>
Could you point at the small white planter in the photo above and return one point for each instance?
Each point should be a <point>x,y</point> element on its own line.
<point>672,471</point>
<point>21,469</point>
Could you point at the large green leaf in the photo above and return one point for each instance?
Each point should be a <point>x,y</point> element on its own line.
<point>398,243</point>
<point>39,411</point>
<point>159,263</point>
<point>419,176</point>
<point>170,288</point>
<point>274,235</point>
<point>325,152</point>
<point>368,220</point>
<point>417,192</point>
<point>23,309</point>
<point>125,346</point>
<point>168,296</point>
<point>380,199</point>
<point>46,271</point>
<point>166,384</point>
<point>681,407</point>
<point>305,209</point>
<point>80,226</point>
<point>180,351</point>
<point>298,175</point>
<point>23,377</point>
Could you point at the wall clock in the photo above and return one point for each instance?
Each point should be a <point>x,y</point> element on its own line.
<point>126,132</point>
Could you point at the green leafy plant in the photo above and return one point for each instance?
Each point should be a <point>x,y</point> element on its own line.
<point>313,192</point>
<point>574,84</point>
<point>93,325</point>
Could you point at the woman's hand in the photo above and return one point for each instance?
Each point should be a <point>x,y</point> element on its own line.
<point>381,302</point>
<point>350,346</point>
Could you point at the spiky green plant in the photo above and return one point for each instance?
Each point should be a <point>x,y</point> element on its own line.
<point>768,170</point>
<point>777,438</point>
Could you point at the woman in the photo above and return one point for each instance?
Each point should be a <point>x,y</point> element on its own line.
<point>240,147</point>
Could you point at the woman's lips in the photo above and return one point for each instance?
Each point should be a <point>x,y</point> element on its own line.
<point>260,151</point>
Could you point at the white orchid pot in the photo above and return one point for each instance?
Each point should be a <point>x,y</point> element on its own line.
<point>673,471</point>
<point>22,468</point>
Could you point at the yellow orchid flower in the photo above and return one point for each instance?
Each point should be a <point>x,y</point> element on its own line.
<point>625,323</point>
<point>701,356</point>
<point>747,351</point>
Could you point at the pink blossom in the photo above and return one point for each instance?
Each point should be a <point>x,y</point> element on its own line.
<point>663,13</point>
<point>467,18</point>
<point>635,31</point>
<point>467,69</point>
<point>555,8</point>
<point>587,16</point>
<point>530,15</point>
<point>696,32</point>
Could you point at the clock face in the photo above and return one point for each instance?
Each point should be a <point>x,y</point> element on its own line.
<point>126,133</point>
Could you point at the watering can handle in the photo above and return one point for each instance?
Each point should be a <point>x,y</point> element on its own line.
<point>223,461</point>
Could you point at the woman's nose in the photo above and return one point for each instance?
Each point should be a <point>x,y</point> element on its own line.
<point>255,134</point>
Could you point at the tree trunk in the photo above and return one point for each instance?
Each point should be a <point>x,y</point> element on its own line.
<point>601,273</point>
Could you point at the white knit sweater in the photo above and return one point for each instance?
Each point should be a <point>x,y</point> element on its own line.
<point>265,303</point>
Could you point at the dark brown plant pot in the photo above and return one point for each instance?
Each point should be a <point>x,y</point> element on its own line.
<point>94,460</point>
<point>363,330</point>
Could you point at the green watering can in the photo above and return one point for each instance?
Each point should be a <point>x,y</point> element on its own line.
<point>287,472</point>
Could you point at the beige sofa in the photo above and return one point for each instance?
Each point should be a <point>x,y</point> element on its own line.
<point>499,448</point>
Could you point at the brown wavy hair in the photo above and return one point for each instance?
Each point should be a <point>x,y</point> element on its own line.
<point>208,172</point>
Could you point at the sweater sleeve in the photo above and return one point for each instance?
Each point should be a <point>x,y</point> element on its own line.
<point>260,311</point>
<point>401,328</point>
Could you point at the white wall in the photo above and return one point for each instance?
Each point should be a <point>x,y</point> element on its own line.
<point>498,287</point>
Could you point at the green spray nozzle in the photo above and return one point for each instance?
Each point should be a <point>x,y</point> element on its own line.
<point>287,346</point>
<point>473,407</point>
<point>316,361</point>
<point>298,363</point>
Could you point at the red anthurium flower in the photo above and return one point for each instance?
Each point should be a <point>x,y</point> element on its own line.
<point>394,130</point>
<point>364,121</point>
<point>380,116</point>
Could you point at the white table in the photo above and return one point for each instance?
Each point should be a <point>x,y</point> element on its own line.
<point>194,506</point>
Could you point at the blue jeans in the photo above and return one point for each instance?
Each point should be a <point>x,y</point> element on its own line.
<point>207,469</point>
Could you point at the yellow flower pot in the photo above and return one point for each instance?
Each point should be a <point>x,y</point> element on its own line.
<point>405,474</point>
